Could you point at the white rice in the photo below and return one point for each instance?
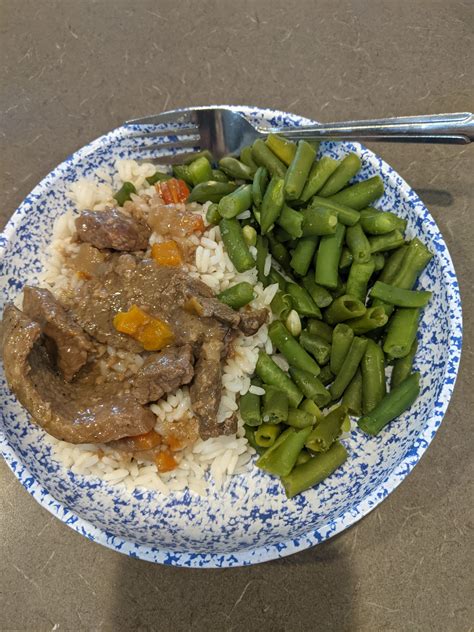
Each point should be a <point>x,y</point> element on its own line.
<point>206,464</point>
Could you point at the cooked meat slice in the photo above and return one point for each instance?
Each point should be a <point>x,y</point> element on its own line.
<point>163,373</point>
<point>213,308</point>
<point>76,412</point>
<point>206,388</point>
<point>251,321</point>
<point>71,343</point>
<point>113,229</point>
<point>229,426</point>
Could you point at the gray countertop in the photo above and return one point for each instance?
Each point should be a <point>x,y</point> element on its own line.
<point>70,71</point>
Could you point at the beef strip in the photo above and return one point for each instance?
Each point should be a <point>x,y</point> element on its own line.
<point>71,343</point>
<point>113,230</point>
<point>252,320</point>
<point>163,373</point>
<point>213,308</point>
<point>76,412</point>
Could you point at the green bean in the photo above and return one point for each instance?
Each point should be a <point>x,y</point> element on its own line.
<point>283,148</point>
<point>416,258</point>
<point>235,245</point>
<point>377,222</point>
<point>249,407</point>
<point>319,220</point>
<point>342,338</point>
<point>327,258</point>
<point>124,193</point>
<point>346,259</point>
<point>298,170</point>
<point>401,332</point>
<point>345,171</point>
<point>250,235</point>
<point>393,404</point>
<point>398,296</point>
<point>312,408</point>
<point>246,158</point>
<point>200,170</point>
<point>358,244</point>
<point>345,215</point>
<point>318,293</point>
<point>318,176</point>
<point>236,202</point>
<point>361,194</point>
<point>303,255</point>
<point>315,470</point>
<point>282,459</point>
<point>403,366</point>
<point>303,457</point>
<point>267,434</point>
<point>280,233</point>
<point>250,436</point>
<point>275,405</point>
<point>358,279</point>
<point>272,204</point>
<point>262,254</point>
<point>270,373</point>
<point>348,368</point>
<point>235,169</point>
<point>311,386</point>
<point>352,398</point>
<point>281,305</point>
<point>373,318</point>
<point>219,176</point>
<point>205,153</point>
<point>302,301</point>
<point>237,295</point>
<point>279,252</point>
<point>392,264</point>
<point>211,191</point>
<point>212,214</point>
<point>317,346</point>
<point>259,185</point>
<point>389,241</point>
<point>343,308</point>
<point>379,261</point>
<point>340,288</point>
<point>291,221</point>
<point>184,173</point>
<point>264,157</point>
<point>291,349</point>
<point>298,418</point>
<point>327,431</point>
<point>276,277</point>
<point>319,328</point>
<point>326,376</point>
<point>159,176</point>
<point>373,376</point>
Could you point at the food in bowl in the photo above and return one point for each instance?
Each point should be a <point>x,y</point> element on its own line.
<point>148,345</point>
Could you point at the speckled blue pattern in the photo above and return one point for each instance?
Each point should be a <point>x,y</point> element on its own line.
<point>251,521</point>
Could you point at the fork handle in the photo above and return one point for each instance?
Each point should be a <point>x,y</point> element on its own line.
<point>454,128</point>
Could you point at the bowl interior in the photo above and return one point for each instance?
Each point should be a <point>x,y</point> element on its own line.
<point>251,519</point>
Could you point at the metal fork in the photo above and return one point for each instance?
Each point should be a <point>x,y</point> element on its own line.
<point>177,134</point>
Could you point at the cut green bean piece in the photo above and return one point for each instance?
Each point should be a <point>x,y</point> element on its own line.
<point>327,258</point>
<point>375,222</point>
<point>298,418</point>
<point>183,172</point>
<point>318,176</point>
<point>303,255</point>
<point>250,235</point>
<point>342,338</point>
<point>403,366</point>
<point>302,301</point>
<point>389,241</point>
<point>267,434</point>
<point>264,157</point>
<point>374,318</point>
<point>393,404</point>
<point>319,328</point>
<point>416,258</point>
<point>346,259</point>
<point>319,348</point>
<point>303,457</point>
<point>236,202</point>
<point>211,191</point>
<point>298,170</point>
<point>398,296</point>
<point>352,398</point>
<point>343,308</point>
<point>279,252</point>
<point>318,220</point>
<point>124,193</point>
<point>345,171</point>
<point>212,214</point>
<point>276,277</point>
<point>291,221</point>
<point>392,264</point>
<point>339,290</point>
<point>318,293</point>
<point>235,169</point>
<point>282,459</point>
<point>281,305</point>
<point>283,148</point>
<point>259,186</point>
<point>235,245</point>
<point>373,376</point>
<point>315,470</point>
<point>249,407</point>
<point>159,176</point>
<point>379,261</point>
<point>358,244</point>
<point>205,153</point>
<point>361,194</point>
<point>272,204</point>
<point>291,349</point>
<point>261,260</point>
<point>358,279</point>
<point>200,170</point>
<point>270,373</point>
<point>327,431</point>
<point>250,436</point>
<point>246,158</point>
<point>348,368</point>
<point>309,406</point>
<point>219,176</point>
<point>281,234</point>
<point>326,376</point>
<point>237,295</point>
<point>401,332</point>
<point>311,386</point>
<point>275,405</point>
<point>345,215</point>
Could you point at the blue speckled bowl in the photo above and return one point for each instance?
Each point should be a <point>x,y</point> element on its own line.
<point>251,521</point>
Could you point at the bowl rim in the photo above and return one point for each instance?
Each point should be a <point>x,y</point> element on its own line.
<point>292,545</point>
